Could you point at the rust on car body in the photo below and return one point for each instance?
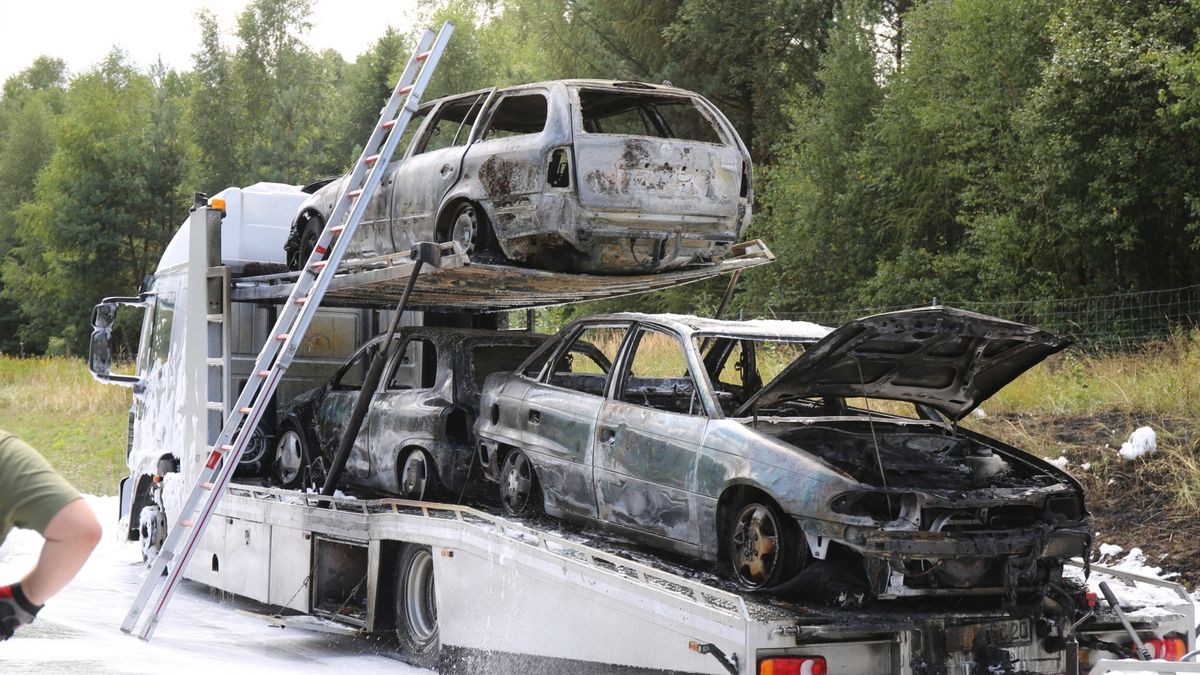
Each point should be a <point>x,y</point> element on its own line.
<point>747,443</point>
<point>588,176</point>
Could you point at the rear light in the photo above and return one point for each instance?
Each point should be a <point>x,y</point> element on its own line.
<point>1167,649</point>
<point>792,665</point>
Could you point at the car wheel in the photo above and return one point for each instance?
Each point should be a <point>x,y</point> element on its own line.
<point>308,240</point>
<point>418,481</point>
<point>519,489</point>
<point>469,227</point>
<point>291,459</point>
<point>761,548</point>
<point>416,607</point>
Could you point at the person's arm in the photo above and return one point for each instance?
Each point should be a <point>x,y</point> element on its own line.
<point>71,536</point>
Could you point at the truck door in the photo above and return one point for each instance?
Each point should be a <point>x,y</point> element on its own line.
<point>647,437</point>
<point>433,167</point>
<point>559,416</point>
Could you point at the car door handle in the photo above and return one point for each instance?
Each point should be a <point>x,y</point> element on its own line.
<point>608,435</point>
<point>535,417</point>
<point>445,169</point>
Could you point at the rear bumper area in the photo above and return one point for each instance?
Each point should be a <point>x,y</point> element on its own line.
<point>553,232</point>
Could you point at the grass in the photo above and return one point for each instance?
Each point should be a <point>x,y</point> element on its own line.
<point>78,424</point>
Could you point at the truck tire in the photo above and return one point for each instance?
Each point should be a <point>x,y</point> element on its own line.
<point>416,607</point>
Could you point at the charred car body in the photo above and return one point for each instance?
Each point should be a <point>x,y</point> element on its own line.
<point>762,445</point>
<point>574,175</point>
<point>416,441</point>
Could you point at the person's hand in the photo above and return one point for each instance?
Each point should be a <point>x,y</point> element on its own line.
<point>15,610</point>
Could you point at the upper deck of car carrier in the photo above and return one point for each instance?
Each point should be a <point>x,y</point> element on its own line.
<point>461,284</point>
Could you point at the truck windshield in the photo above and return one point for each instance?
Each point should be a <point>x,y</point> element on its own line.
<point>155,345</point>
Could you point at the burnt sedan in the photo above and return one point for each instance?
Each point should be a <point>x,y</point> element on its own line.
<point>571,175</point>
<point>797,457</point>
<point>417,440</point>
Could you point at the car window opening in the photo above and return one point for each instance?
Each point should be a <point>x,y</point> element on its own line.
<point>585,364</point>
<point>659,377</point>
<point>636,114</point>
<point>516,116</point>
<point>452,126</point>
<point>417,366</point>
<point>558,173</point>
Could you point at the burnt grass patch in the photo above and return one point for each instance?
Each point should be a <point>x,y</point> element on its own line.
<point>1152,502</point>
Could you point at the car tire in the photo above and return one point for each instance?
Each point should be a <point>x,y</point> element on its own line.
<point>519,489</point>
<point>309,234</point>
<point>762,547</point>
<point>417,477</point>
<point>416,607</point>
<point>291,458</point>
<point>468,225</point>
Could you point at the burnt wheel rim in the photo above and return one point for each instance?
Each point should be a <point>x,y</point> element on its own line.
<point>414,475</point>
<point>420,604</point>
<point>466,228</point>
<point>755,549</point>
<point>517,482</point>
<point>289,456</point>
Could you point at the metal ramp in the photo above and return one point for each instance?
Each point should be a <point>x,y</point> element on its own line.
<point>483,287</point>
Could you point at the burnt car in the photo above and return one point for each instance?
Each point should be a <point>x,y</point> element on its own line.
<point>794,456</point>
<point>417,439</point>
<point>572,175</point>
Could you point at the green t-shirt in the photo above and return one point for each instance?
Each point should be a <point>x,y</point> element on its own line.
<point>31,492</point>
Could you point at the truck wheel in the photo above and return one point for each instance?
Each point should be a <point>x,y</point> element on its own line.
<point>418,480</point>
<point>519,489</point>
<point>152,531</point>
<point>761,547</point>
<point>291,459</point>
<point>416,607</point>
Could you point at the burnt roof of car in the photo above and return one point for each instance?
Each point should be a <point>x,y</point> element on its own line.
<point>765,328</point>
<point>627,85</point>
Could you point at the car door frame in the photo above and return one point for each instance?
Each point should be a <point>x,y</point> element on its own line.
<point>415,205</point>
<point>412,405</point>
<point>615,440</point>
<point>565,473</point>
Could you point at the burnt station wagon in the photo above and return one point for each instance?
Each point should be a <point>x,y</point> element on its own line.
<point>574,175</point>
<point>792,454</point>
<point>417,440</point>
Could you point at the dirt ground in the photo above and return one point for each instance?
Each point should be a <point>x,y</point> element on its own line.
<point>1150,502</point>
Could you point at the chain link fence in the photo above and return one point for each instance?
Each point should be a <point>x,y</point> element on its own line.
<point>1100,321</point>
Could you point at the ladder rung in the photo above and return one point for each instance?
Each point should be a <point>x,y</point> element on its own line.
<point>187,522</point>
<point>320,264</point>
<point>283,336</point>
<point>301,301</point>
<point>421,57</point>
<point>206,485</point>
<point>404,90</point>
<point>264,373</point>
<point>388,124</point>
<point>337,229</point>
<point>216,318</point>
<point>353,193</point>
<point>216,405</point>
<point>320,249</point>
<point>371,160</point>
<point>247,411</point>
<point>227,448</point>
<point>215,363</point>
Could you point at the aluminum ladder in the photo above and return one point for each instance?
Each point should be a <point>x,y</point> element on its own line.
<point>279,350</point>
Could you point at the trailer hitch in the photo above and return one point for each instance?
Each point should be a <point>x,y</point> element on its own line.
<point>729,662</point>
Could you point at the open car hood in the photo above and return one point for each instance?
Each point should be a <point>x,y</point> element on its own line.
<point>945,358</point>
